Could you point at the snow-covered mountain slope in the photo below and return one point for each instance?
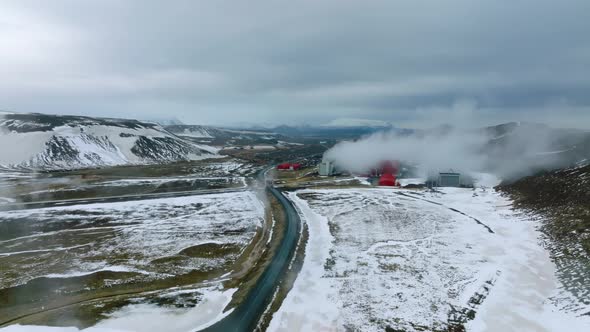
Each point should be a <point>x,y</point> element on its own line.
<point>230,138</point>
<point>208,132</point>
<point>43,141</point>
<point>194,131</point>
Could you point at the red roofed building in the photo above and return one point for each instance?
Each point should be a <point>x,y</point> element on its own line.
<point>289,166</point>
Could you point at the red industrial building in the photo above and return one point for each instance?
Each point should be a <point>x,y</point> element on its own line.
<point>289,166</point>
<point>389,172</point>
<point>387,180</point>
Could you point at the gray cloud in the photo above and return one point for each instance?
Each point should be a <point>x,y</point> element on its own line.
<point>410,62</point>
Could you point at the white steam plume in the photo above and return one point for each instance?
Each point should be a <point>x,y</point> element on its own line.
<point>510,154</point>
<point>438,151</point>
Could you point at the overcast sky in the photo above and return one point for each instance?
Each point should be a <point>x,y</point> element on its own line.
<point>415,63</point>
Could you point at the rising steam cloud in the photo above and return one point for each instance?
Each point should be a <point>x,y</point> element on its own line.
<point>434,151</point>
<point>515,153</point>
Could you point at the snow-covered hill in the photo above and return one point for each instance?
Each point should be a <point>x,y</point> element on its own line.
<point>195,131</point>
<point>208,132</point>
<point>42,141</point>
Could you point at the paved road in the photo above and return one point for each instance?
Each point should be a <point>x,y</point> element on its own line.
<point>246,316</point>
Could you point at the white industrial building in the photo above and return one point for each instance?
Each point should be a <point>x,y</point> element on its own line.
<point>326,168</point>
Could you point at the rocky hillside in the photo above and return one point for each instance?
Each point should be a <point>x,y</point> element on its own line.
<point>42,141</point>
<point>561,199</point>
<point>564,196</point>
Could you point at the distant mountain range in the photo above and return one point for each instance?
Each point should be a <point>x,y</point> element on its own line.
<point>342,128</point>
<point>41,141</point>
<point>344,132</point>
<point>351,122</point>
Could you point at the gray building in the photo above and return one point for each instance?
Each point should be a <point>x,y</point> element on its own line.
<point>449,179</point>
<point>326,168</point>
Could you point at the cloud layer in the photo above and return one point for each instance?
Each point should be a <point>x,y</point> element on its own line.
<point>415,63</point>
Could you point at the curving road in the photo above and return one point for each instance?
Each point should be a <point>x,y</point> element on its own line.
<point>246,316</point>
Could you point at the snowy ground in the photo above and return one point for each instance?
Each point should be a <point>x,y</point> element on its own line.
<point>170,255</point>
<point>407,181</point>
<point>182,244</point>
<point>378,259</point>
<point>146,317</point>
<point>18,187</point>
<point>84,239</point>
<point>224,168</point>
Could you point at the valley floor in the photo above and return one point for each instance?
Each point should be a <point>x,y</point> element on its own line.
<point>376,259</point>
<point>129,265</point>
<point>404,260</point>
